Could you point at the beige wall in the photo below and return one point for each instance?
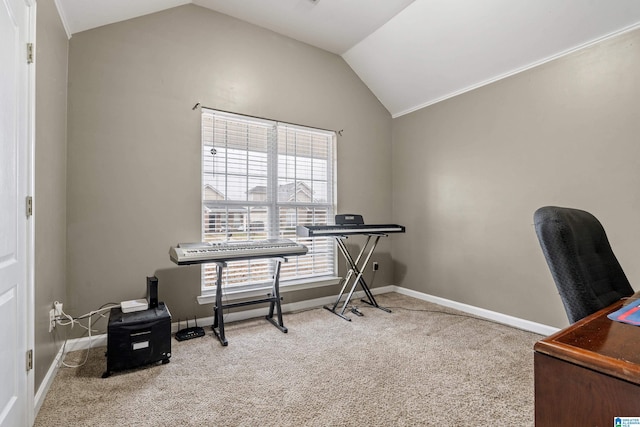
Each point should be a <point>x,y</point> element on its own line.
<point>464,176</point>
<point>50,200</point>
<point>469,172</point>
<point>134,142</point>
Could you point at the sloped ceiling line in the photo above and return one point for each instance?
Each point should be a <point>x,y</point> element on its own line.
<point>409,53</point>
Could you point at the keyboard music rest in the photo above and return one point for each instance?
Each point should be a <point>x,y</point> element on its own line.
<point>347,229</point>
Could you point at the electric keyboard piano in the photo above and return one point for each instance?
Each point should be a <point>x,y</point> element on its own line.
<point>347,229</point>
<point>349,225</point>
<point>205,252</point>
<point>221,252</point>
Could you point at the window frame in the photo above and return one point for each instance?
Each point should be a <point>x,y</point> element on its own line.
<point>272,205</point>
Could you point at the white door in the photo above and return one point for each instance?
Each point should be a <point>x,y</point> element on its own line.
<point>14,181</point>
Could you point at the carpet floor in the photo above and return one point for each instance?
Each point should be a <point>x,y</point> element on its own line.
<point>421,365</point>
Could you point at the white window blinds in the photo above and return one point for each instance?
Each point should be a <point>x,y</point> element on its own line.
<point>259,180</point>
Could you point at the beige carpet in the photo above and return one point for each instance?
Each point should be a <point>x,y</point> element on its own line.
<point>412,367</point>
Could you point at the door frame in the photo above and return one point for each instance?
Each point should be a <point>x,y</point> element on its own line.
<point>30,232</point>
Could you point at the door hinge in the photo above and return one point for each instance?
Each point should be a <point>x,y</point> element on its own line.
<point>29,53</point>
<point>29,206</point>
<point>29,360</point>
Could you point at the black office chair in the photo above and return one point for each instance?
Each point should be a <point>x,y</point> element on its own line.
<point>586,271</point>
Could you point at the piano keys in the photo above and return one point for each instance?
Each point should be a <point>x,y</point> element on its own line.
<point>205,252</point>
<point>347,229</point>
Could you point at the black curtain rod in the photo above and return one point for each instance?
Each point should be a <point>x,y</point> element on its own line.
<point>339,132</point>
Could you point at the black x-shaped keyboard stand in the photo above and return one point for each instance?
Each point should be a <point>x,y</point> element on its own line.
<point>354,275</point>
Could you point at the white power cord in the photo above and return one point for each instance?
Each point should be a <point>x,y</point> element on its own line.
<point>73,321</point>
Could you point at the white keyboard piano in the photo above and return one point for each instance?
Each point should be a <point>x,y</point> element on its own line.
<point>204,252</point>
<point>221,252</point>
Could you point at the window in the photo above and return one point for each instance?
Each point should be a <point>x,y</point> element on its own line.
<point>260,179</point>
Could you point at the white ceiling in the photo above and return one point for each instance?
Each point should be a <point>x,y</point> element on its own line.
<point>410,53</point>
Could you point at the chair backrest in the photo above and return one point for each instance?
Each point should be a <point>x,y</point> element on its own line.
<point>586,271</point>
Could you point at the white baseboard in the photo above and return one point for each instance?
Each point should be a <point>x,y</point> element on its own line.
<point>288,308</point>
<point>515,322</point>
<point>86,342</point>
<point>46,382</point>
<point>101,340</point>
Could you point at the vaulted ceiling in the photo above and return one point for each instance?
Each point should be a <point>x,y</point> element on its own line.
<point>410,53</point>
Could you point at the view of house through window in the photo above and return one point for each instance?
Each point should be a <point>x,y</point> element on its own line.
<point>260,180</point>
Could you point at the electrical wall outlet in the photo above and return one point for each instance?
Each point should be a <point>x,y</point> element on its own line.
<point>52,319</point>
<point>57,306</point>
<point>376,266</point>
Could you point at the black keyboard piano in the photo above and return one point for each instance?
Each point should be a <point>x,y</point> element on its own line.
<point>347,225</point>
<point>347,229</point>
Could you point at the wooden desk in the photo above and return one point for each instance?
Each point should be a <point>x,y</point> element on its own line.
<point>588,373</point>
